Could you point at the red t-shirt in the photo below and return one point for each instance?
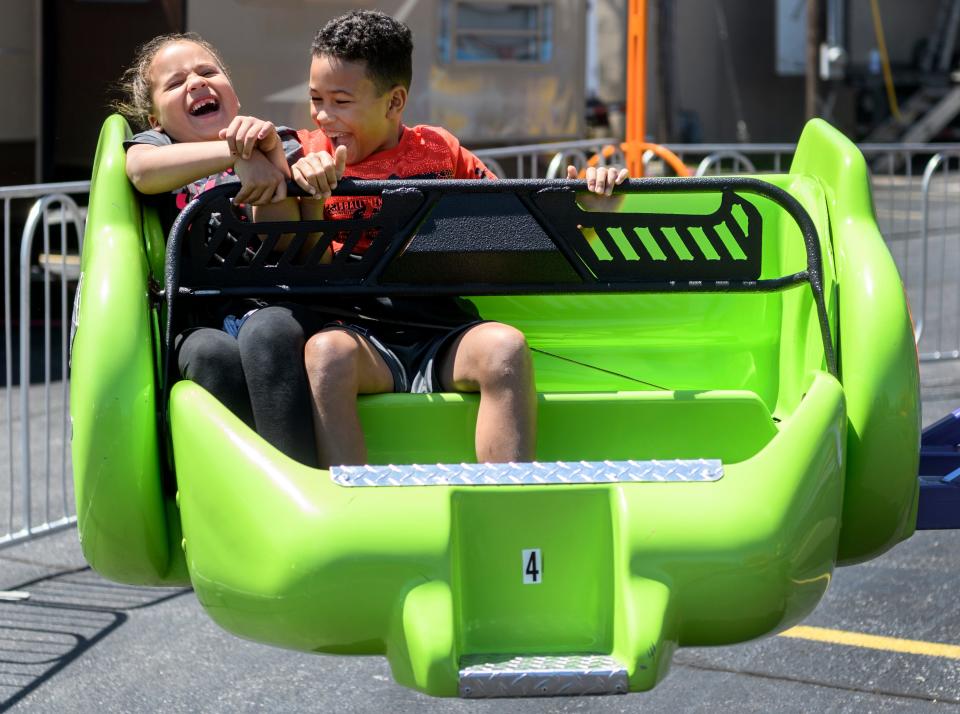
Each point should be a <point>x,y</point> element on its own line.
<point>424,152</point>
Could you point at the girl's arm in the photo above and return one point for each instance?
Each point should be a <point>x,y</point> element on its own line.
<point>158,169</point>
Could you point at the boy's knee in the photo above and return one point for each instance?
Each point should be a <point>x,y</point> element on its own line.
<point>505,342</point>
<point>331,350</point>
<point>505,352</point>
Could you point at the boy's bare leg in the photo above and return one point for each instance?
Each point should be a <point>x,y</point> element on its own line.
<point>494,359</point>
<point>340,365</point>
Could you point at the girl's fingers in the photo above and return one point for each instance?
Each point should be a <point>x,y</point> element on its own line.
<point>243,195</point>
<point>340,159</point>
<point>571,172</point>
<point>230,136</point>
<point>266,196</point>
<point>250,130</point>
<point>265,129</point>
<point>258,193</point>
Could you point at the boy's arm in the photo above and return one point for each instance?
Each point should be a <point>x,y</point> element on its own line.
<point>158,169</point>
<point>311,209</point>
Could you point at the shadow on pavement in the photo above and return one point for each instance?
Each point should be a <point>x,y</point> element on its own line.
<point>67,613</point>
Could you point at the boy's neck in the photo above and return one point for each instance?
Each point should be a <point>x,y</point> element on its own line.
<point>387,145</point>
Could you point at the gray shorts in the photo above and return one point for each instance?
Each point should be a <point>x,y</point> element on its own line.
<point>413,354</point>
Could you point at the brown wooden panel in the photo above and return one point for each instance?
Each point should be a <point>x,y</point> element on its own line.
<point>86,46</point>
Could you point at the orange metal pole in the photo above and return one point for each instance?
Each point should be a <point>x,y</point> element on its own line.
<point>636,85</point>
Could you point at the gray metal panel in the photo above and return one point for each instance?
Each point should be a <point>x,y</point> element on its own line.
<point>528,474</point>
<point>540,676</point>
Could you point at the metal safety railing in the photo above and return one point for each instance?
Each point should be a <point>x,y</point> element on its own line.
<point>934,293</point>
<point>36,492</point>
<point>916,190</point>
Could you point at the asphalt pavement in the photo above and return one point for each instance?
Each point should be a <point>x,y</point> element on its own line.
<point>81,643</point>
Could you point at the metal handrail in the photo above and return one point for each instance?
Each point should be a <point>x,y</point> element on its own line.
<point>716,157</point>
<point>935,162</point>
<point>37,213</point>
<point>37,190</point>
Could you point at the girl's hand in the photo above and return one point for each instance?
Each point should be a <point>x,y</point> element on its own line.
<point>244,134</point>
<point>601,180</point>
<point>261,182</point>
<point>319,172</point>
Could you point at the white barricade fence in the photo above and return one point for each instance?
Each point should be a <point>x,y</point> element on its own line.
<point>918,210</point>
<point>935,288</point>
<point>36,482</point>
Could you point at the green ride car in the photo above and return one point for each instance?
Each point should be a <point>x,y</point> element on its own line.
<point>728,409</point>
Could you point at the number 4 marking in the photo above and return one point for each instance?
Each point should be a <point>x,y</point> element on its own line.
<point>532,566</point>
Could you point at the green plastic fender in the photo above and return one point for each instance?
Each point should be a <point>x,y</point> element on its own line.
<point>280,554</point>
<point>127,526</point>
<point>878,359</point>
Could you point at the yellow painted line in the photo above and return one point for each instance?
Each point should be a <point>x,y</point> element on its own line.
<point>873,642</point>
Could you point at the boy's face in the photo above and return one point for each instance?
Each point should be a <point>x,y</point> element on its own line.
<point>346,104</point>
<point>192,97</point>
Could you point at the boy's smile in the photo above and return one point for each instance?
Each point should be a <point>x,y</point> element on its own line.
<point>346,104</point>
<point>192,97</point>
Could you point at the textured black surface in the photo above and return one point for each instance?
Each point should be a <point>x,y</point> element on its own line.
<point>636,262</point>
<point>490,238</point>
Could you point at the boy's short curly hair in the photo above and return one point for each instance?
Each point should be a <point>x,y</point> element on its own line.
<point>383,43</point>
<point>134,84</point>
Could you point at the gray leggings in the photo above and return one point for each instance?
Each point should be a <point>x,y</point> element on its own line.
<point>259,376</point>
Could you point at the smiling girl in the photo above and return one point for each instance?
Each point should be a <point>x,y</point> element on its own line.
<point>179,91</point>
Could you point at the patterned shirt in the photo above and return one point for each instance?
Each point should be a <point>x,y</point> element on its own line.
<point>423,152</point>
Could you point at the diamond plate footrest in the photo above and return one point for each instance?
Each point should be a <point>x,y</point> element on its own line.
<point>540,676</point>
<point>533,473</point>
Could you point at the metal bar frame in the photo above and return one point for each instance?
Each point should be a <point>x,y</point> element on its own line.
<point>37,217</point>
<point>527,192</point>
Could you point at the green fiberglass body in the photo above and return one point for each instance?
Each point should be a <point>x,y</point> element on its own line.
<point>728,409</point>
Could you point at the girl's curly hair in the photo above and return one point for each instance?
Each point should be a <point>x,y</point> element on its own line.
<point>134,83</point>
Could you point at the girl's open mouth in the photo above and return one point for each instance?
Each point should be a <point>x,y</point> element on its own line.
<point>207,105</point>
